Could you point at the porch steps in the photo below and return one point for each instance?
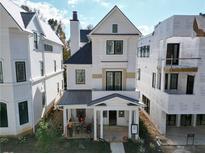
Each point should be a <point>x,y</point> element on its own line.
<point>117,147</point>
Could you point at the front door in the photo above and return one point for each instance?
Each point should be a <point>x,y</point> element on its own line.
<point>112,118</point>
<point>186,120</point>
<point>190,84</point>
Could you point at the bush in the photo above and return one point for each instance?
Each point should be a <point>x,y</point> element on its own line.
<point>46,134</point>
<point>22,139</point>
<point>4,140</point>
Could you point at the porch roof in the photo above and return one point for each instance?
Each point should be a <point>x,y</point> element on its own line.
<point>76,97</point>
<point>96,101</point>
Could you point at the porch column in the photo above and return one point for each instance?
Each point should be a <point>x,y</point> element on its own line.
<point>130,122</point>
<point>64,121</point>
<point>178,120</point>
<point>136,120</point>
<point>95,124</point>
<point>194,120</point>
<point>101,124</point>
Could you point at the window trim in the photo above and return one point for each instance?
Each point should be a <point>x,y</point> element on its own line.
<point>42,67</point>
<point>76,78</point>
<point>35,39</point>
<point>171,84</point>
<point>153,80</point>
<point>121,115</point>
<point>17,79</point>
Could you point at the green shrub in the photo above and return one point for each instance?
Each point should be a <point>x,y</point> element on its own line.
<point>4,140</point>
<point>46,135</point>
<point>22,139</point>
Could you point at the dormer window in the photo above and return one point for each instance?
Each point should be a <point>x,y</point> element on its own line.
<point>114,28</point>
<point>35,35</point>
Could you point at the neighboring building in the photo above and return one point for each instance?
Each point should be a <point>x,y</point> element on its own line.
<point>31,74</point>
<point>171,72</point>
<point>101,74</point>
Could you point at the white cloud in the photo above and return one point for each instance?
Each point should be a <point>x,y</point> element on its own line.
<point>104,3</point>
<point>145,29</point>
<point>73,2</point>
<point>47,10</point>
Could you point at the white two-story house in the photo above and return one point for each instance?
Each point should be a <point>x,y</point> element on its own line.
<point>101,75</point>
<point>31,75</point>
<point>171,68</point>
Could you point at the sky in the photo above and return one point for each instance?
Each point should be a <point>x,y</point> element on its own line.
<point>145,14</point>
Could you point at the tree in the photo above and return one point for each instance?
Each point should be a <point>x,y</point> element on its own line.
<point>26,8</point>
<point>89,27</point>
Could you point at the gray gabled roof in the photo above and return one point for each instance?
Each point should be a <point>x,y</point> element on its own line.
<point>76,97</point>
<point>96,101</point>
<point>27,16</point>
<point>82,56</point>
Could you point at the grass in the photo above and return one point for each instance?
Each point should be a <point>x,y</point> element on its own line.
<point>61,145</point>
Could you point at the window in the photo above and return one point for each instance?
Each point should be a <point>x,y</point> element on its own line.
<point>171,120</point>
<point>114,47</point>
<point>153,80</point>
<point>3,115</point>
<point>173,81</point>
<point>186,120</point>
<point>200,119</point>
<point>148,51</point>
<point>1,72</point>
<point>138,74</point>
<point>20,71</point>
<point>144,51</point>
<point>80,112</point>
<point>159,81</point>
<point>113,80</point>
<point>35,36</point>
<point>104,114</point>
<point>41,68</point>
<point>23,112</point>
<point>172,54</point>
<point>166,81</point>
<point>114,28</point>
<point>54,65</point>
<point>58,88</point>
<point>146,101</point>
<point>62,84</point>
<point>121,114</point>
<point>43,99</point>
<point>48,47</point>
<point>80,76</point>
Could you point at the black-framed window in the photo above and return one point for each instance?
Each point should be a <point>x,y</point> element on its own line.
<point>159,81</point>
<point>153,80</point>
<point>1,72</point>
<point>172,54</point>
<point>166,81</point>
<point>104,114</point>
<point>20,71</point>
<point>80,76</point>
<point>146,101</point>
<point>3,115</point>
<point>186,119</point>
<point>138,74</point>
<point>48,47</point>
<point>23,112</point>
<point>173,81</point>
<point>80,113</point>
<point>55,67</point>
<point>58,87</point>
<point>121,114</point>
<point>114,28</point>
<point>114,47</point>
<point>41,68</point>
<point>43,99</point>
<point>200,119</point>
<point>113,80</point>
<point>35,36</point>
<point>171,120</point>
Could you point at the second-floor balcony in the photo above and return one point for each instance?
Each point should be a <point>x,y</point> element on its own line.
<point>179,64</point>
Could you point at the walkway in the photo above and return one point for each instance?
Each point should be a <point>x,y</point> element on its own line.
<point>117,147</point>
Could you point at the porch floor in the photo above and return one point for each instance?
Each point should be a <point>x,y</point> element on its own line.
<point>114,133</point>
<point>178,135</point>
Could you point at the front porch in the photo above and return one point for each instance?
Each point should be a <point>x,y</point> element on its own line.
<point>113,118</point>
